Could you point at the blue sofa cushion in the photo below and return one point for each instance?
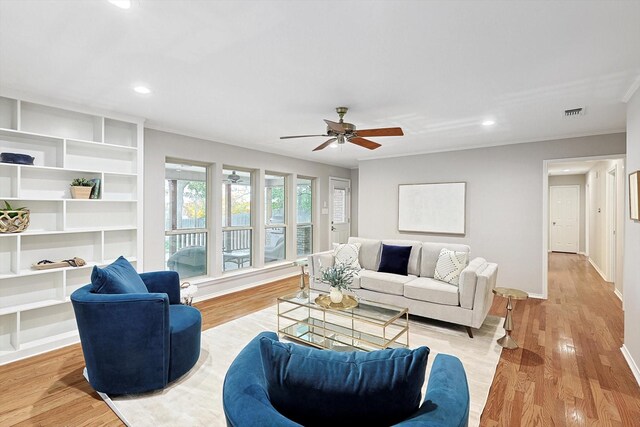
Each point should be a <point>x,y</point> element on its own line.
<point>117,278</point>
<point>394,259</point>
<point>320,387</point>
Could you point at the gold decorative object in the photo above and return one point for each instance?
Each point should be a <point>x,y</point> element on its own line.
<point>507,341</point>
<point>14,221</point>
<point>347,302</point>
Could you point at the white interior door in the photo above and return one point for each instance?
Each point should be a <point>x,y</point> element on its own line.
<point>564,204</point>
<point>340,199</point>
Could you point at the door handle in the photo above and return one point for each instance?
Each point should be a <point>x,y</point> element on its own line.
<point>554,223</point>
<point>333,228</point>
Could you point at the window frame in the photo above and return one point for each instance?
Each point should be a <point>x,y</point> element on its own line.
<point>225,204</point>
<point>311,224</point>
<point>206,230</point>
<point>285,219</point>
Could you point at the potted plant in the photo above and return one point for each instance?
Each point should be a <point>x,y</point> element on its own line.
<point>339,277</point>
<point>13,220</point>
<point>81,188</point>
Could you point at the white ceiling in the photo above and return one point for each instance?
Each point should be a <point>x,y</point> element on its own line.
<point>570,168</point>
<point>247,72</point>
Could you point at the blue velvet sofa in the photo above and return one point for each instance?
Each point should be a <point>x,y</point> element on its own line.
<point>246,399</point>
<point>137,341</point>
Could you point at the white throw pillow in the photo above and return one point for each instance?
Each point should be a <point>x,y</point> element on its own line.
<point>449,266</point>
<point>347,254</point>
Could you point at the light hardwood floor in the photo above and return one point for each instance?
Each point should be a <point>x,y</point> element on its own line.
<point>568,371</point>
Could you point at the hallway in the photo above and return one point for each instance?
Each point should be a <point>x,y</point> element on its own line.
<point>569,369</point>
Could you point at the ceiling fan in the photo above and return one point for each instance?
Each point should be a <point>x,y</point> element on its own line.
<point>233,178</point>
<point>341,132</point>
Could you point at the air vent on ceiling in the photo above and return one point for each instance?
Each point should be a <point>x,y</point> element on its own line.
<point>574,112</point>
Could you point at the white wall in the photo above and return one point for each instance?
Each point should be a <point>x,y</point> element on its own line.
<point>597,179</point>
<point>355,184</point>
<point>632,243</point>
<point>504,198</point>
<point>574,180</point>
<point>160,145</point>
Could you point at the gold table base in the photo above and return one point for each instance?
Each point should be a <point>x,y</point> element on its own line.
<point>507,340</point>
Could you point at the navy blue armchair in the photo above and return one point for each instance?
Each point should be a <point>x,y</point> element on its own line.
<point>137,342</point>
<point>246,399</point>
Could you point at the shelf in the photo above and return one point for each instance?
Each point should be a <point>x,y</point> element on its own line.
<point>89,265</point>
<point>30,232</point>
<point>30,306</point>
<point>46,150</point>
<point>47,120</point>
<point>27,292</point>
<point>8,114</point>
<point>38,326</point>
<point>36,314</point>
<point>120,133</point>
<point>101,157</point>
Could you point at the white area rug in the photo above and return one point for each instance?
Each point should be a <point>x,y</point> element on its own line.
<point>196,399</point>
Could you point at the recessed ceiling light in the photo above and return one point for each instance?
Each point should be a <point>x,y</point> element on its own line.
<point>122,4</point>
<point>488,123</point>
<point>142,90</point>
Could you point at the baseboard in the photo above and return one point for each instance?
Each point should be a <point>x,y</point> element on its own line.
<point>582,253</point>
<point>595,266</point>
<point>632,364</point>
<point>618,294</point>
<point>537,296</point>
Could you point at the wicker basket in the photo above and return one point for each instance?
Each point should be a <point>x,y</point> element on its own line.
<point>78,192</point>
<point>14,221</point>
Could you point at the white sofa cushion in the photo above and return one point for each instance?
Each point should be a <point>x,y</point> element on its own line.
<point>431,252</point>
<point>431,290</point>
<point>369,254</point>
<point>449,266</point>
<point>414,259</point>
<point>347,254</point>
<point>386,283</point>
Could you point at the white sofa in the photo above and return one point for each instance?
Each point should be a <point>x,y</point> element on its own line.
<point>466,304</point>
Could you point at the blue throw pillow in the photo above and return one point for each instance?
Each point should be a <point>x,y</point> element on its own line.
<point>394,259</point>
<point>117,278</point>
<point>322,387</point>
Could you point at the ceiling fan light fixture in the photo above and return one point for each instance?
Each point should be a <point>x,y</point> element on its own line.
<point>333,145</point>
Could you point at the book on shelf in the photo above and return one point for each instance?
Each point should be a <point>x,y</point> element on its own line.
<point>96,190</point>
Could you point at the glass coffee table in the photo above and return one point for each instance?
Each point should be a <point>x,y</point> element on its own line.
<point>369,326</point>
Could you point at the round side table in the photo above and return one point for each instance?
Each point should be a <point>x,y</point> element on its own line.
<point>507,341</point>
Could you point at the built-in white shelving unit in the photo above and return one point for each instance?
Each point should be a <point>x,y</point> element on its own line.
<point>35,309</point>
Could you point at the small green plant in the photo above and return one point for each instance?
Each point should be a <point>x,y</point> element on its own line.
<point>81,182</point>
<point>339,276</point>
<point>10,210</point>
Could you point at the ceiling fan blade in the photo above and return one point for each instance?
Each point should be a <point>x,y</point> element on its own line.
<point>324,144</point>
<point>380,132</point>
<point>299,136</point>
<point>365,143</point>
<point>336,127</point>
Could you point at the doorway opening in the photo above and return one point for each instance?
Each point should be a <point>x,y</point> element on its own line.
<point>582,213</point>
<point>340,209</point>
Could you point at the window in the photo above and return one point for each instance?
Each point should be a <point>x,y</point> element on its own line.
<point>304,208</point>
<point>236,219</point>
<point>275,201</point>
<point>185,195</point>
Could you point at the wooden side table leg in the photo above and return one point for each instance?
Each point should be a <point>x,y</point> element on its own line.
<point>507,341</point>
